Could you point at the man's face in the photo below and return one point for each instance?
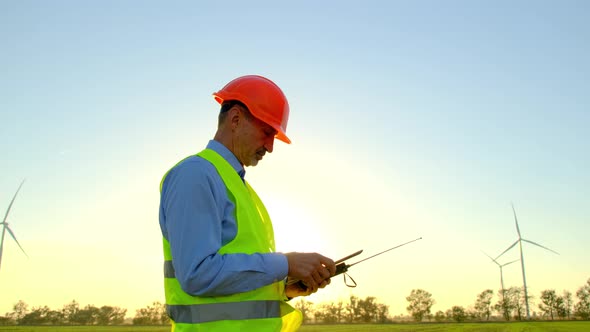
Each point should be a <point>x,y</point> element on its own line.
<point>252,139</point>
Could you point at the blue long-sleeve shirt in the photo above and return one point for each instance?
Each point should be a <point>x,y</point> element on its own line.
<point>197,218</point>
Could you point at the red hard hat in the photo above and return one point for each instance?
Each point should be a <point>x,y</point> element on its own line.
<point>264,99</point>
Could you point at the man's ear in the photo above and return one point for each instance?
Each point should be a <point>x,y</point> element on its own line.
<point>235,116</point>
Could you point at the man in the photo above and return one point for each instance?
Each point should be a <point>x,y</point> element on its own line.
<point>221,269</point>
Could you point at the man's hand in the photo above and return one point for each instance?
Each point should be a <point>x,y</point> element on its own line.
<point>313,269</point>
<point>297,289</point>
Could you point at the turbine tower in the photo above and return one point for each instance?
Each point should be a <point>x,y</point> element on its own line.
<point>5,227</point>
<point>519,242</point>
<point>501,266</point>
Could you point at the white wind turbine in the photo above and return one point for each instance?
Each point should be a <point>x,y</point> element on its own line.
<point>519,242</point>
<point>5,227</point>
<point>501,266</point>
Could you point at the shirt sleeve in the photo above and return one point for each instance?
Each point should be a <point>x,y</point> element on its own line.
<point>193,206</point>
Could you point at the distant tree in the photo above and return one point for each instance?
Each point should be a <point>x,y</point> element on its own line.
<point>306,308</point>
<point>7,320</point>
<point>338,311</point>
<point>420,303</point>
<point>582,308</point>
<point>54,317</point>
<point>382,313</point>
<point>502,305</point>
<point>108,315</point>
<point>473,315</point>
<point>548,303</point>
<point>330,312</point>
<point>368,309</point>
<point>34,317</point>
<point>560,310</point>
<point>353,309</point>
<point>151,315</point>
<point>506,303</point>
<point>87,316</point>
<point>69,312</point>
<point>483,304</point>
<point>449,315</point>
<point>41,316</point>
<point>439,316</point>
<point>512,303</point>
<point>19,310</point>
<point>458,314</point>
<point>568,303</point>
<point>142,317</point>
<point>517,296</point>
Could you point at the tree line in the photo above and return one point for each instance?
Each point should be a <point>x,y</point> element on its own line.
<point>73,314</point>
<point>510,305</point>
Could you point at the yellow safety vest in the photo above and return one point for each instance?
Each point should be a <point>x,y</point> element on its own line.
<point>262,309</point>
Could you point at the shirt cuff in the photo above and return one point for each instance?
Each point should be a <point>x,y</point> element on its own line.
<point>279,266</point>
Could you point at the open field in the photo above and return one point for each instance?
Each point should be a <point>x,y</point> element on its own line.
<point>455,327</point>
<point>567,326</point>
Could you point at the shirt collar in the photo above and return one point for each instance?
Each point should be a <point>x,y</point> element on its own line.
<point>228,156</point>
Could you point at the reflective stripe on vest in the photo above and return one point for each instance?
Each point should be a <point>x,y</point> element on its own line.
<point>169,270</point>
<point>202,313</point>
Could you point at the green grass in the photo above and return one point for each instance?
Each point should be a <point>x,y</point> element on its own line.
<point>86,328</point>
<point>566,326</point>
<point>456,327</point>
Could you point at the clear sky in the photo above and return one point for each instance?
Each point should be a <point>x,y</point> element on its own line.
<point>408,119</point>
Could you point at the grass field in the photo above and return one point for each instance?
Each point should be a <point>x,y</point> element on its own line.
<point>456,327</point>
<point>453,327</point>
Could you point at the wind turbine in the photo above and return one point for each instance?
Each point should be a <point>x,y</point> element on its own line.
<point>501,266</point>
<point>5,227</point>
<point>519,242</point>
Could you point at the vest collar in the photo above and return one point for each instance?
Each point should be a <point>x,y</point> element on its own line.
<point>228,156</point>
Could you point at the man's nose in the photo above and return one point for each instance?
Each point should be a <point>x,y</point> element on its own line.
<point>269,144</point>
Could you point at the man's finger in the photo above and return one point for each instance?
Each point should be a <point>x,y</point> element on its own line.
<point>325,272</point>
<point>325,283</point>
<point>312,285</point>
<point>317,277</point>
<point>329,264</point>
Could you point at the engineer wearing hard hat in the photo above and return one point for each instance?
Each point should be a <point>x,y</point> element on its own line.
<point>221,271</point>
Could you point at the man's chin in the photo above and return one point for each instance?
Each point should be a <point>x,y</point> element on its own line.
<point>255,159</point>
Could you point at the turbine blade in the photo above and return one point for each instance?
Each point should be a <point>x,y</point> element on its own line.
<point>538,245</point>
<point>514,261</point>
<point>516,221</point>
<point>512,246</point>
<point>487,255</point>
<point>490,257</point>
<point>13,198</point>
<point>15,240</point>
